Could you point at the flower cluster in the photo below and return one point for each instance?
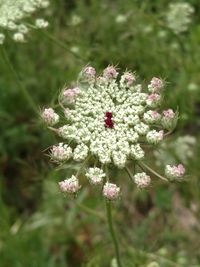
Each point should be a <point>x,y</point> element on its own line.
<point>109,119</point>
<point>179,16</point>
<point>13,14</point>
<point>174,172</point>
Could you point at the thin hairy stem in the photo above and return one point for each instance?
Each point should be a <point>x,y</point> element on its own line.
<point>110,225</point>
<point>112,232</point>
<point>152,171</point>
<point>129,173</point>
<point>25,93</point>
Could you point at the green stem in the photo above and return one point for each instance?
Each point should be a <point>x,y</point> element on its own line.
<point>25,93</point>
<point>154,172</point>
<point>112,232</point>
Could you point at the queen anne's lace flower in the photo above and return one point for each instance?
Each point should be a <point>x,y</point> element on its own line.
<point>179,16</point>
<point>13,15</point>
<point>109,119</point>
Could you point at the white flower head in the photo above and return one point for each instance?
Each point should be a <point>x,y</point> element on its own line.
<point>178,17</point>
<point>108,118</point>
<point>14,15</point>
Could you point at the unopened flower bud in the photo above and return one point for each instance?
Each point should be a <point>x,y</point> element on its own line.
<point>153,100</point>
<point>50,117</point>
<point>70,185</point>
<point>61,152</point>
<point>127,79</point>
<point>151,116</point>
<point>110,73</point>
<point>111,191</point>
<point>156,85</point>
<point>169,119</point>
<point>89,73</point>
<point>69,95</point>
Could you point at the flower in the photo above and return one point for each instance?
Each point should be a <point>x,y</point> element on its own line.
<point>70,185</point>
<point>151,116</point>
<point>154,137</point>
<point>179,16</point>
<point>155,85</point>
<point>41,23</point>
<point>95,175</point>
<point>142,180</point>
<point>50,117</point>
<point>89,73</point>
<point>61,152</point>
<point>18,37</point>
<point>110,73</point>
<point>69,95</point>
<point>14,14</point>
<point>153,100</point>
<point>108,119</point>
<point>175,172</point>
<point>169,119</point>
<point>111,191</point>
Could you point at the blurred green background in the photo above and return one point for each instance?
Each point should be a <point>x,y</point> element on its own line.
<point>38,226</point>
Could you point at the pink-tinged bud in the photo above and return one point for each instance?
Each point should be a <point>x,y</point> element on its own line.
<point>169,119</point>
<point>128,78</point>
<point>50,117</point>
<point>70,186</point>
<point>169,113</point>
<point>89,72</point>
<point>153,100</point>
<point>175,172</point>
<point>151,116</point>
<point>61,152</point>
<point>71,94</point>
<point>110,73</point>
<point>111,191</point>
<point>155,85</point>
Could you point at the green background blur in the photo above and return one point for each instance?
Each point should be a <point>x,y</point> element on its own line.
<point>38,226</point>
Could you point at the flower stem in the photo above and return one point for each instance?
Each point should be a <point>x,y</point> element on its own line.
<point>112,232</point>
<point>154,172</point>
<point>25,93</point>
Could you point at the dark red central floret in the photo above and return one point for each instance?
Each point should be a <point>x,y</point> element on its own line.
<point>108,121</point>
